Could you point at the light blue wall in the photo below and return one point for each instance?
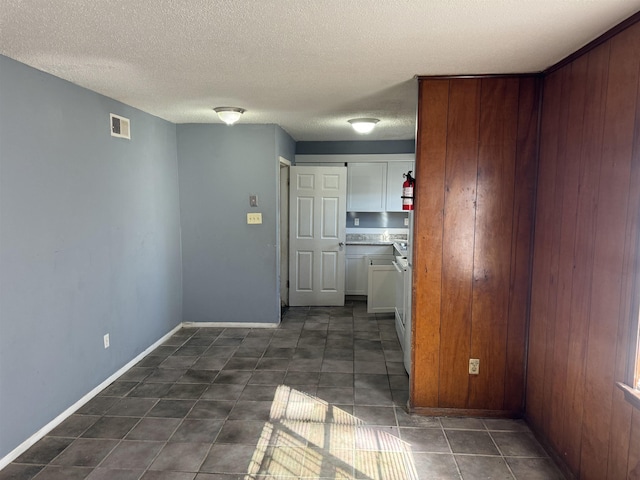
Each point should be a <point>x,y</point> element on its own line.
<point>229,267</point>
<point>285,145</point>
<point>89,244</point>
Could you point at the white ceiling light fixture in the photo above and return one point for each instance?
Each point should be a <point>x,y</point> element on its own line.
<point>363,125</point>
<point>229,115</point>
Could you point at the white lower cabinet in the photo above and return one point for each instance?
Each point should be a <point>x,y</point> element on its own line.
<point>381,287</point>
<point>358,258</point>
<point>355,274</point>
<point>369,272</point>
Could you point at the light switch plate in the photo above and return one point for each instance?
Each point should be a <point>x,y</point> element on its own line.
<point>253,200</point>
<point>254,218</point>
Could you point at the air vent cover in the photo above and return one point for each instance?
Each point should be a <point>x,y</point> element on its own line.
<point>120,126</point>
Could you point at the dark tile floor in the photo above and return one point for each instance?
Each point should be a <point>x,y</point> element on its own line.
<point>322,396</point>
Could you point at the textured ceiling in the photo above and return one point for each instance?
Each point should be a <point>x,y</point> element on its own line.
<point>306,65</point>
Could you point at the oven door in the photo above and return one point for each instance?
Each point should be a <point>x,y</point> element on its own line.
<point>400,304</point>
<point>406,319</point>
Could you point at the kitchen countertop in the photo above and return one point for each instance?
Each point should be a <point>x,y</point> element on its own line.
<point>401,248</point>
<point>396,240</point>
<point>370,242</point>
<point>375,238</point>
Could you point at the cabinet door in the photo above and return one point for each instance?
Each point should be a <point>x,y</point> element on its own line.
<point>356,275</point>
<point>381,289</point>
<point>366,187</point>
<point>394,184</point>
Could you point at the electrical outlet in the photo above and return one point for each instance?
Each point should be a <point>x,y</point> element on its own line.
<point>406,222</point>
<point>254,218</point>
<point>106,341</point>
<point>474,366</point>
<point>356,221</point>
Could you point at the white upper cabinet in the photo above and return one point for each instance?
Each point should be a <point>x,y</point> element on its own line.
<point>374,182</point>
<point>394,184</point>
<point>366,187</point>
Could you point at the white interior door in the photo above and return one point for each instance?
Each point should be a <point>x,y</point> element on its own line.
<point>318,211</point>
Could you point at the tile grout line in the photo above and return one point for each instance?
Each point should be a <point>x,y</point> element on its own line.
<point>364,334</point>
<point>453,455</point>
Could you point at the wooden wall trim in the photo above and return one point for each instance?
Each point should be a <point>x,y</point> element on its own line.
<point>480,76</point>
<point>606,36</point>
<point>631,395</point>
<point>549,448</point>
<point>465,412</point>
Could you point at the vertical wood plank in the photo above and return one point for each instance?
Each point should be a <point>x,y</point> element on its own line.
<point>428,231</point>
<point>620,427</point>
<point>458,240</point>
<point>555,244</point>
<point>615,171</point>
<point>492,245</point>
<point>584,415</point>
<point>584,251</point>
<point>522,242</point>
<point>446,229</point>
<point>633,463</point>
<point>545,209</point>
<point>568,169</point>
<point>621,410</point>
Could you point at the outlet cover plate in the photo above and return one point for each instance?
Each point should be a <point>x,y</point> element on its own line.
<point>474,366</point>
<point>254,218</point>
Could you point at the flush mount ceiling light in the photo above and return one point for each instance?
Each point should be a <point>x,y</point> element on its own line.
<point>363,125</point>
<point>229,115</point>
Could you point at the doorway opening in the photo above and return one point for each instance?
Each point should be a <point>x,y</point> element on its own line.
<point>283,233</point>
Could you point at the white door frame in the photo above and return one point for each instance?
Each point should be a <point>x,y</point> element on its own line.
<point>282,233</point>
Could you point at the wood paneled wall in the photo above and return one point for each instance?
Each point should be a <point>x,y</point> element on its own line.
<point>585,259</point>
<point>475,169</point>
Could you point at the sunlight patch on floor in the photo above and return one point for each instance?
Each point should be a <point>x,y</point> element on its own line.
<point>307,437</point>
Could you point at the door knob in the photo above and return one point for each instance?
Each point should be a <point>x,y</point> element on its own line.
<point>341,244</point>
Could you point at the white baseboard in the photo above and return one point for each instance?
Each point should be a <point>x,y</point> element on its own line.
<point>228,325</point>
<point>29,442</point>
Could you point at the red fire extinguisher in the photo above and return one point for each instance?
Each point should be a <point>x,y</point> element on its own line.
<point>407,191</point>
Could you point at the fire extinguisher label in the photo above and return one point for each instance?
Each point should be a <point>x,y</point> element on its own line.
<point>407,195</point>
<point>407,191</point>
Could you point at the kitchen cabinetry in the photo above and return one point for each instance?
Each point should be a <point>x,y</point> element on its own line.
<point>355,274</point>
<point>375,186</point>
<point>366,187</point>
<point>381,287</point>
<point>374,181</point>
<point>358,259</point>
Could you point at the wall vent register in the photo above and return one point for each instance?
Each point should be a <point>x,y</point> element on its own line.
<point>120,126</point>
